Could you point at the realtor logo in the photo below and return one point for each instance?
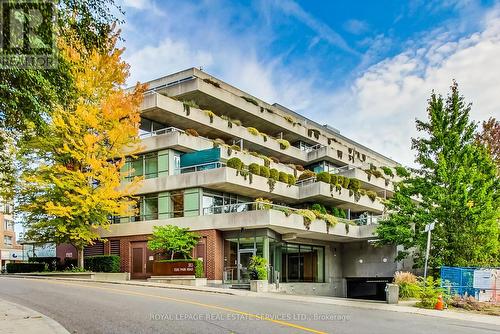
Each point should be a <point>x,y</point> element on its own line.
<point>27,39</point>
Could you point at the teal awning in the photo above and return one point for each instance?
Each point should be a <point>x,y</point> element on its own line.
<point>200,157</point>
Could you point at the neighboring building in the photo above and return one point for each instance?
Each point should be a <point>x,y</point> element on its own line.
<point>188,184</point>
<point>10,251</point>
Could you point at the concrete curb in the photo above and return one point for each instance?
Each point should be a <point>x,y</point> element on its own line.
<point>23,320</point>
<point>374,305</point>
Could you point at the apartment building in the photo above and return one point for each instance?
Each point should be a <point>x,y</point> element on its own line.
<point>10,251</point>
<point>245,175</point>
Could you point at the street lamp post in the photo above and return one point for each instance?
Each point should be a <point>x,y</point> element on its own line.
<point>428,228</point>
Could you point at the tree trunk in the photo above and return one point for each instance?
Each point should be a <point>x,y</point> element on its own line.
<point>80,257</point>
<point>172,256</point>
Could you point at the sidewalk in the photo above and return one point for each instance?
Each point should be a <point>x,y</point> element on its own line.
<point>17,319</point>
<point>403,307</point>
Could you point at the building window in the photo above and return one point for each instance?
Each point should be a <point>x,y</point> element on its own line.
<point>148,165</point>
<point>8,225</point>
<point>174,204</point>
<point>7,240</point>
<point>217,202</point>
<point>302,263</point>
<point>148,126</point>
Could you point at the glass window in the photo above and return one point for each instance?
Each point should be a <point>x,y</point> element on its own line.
<point>145,127</point>
<point>191,202</point>
<point>7,240</point>
<point>302,263</point>
<point>151,165</point>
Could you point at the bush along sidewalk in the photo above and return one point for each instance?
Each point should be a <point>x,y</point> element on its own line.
<point>102,263</point>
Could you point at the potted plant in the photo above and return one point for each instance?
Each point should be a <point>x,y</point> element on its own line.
<point>176,244</point>
<point>258,274</point>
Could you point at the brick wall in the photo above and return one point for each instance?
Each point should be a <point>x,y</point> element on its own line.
<point>214,247</point>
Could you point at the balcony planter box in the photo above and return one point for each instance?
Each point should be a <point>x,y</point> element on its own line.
<point>260,285</point>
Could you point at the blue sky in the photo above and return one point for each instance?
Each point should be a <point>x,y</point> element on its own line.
<point>364,67</point>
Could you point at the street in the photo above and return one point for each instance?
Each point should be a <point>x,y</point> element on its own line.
<point>85,307</point>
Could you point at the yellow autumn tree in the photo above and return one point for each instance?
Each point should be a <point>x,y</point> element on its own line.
<point>73,183</point>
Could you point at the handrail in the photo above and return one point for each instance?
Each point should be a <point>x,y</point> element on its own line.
<point>199,167</point>
<point>161,132</point>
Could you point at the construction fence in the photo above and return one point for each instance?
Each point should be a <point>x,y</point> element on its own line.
<point>481,283</point>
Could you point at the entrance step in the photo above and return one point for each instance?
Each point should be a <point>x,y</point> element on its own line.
<point>241,286</point>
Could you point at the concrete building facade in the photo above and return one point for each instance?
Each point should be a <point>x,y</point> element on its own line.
<point>193,127</point>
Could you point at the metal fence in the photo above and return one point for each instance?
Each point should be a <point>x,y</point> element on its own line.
<point>481,283</point>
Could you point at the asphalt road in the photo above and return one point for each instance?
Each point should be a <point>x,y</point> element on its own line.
<point>84,307</point>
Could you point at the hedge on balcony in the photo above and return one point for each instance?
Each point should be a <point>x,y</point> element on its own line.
<point>274,174</point>
<point>29,267</point>
<point>283,177</point>
<point>234,163</point>
<point>254,168</point>
<point>323,177</point>
<point>103,263</point>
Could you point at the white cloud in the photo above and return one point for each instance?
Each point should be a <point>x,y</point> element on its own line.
<point>378,107</point>
<point>381,105</point>
<point>167,57</point>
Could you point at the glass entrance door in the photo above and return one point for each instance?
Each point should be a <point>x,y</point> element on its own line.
<point>244,256</point>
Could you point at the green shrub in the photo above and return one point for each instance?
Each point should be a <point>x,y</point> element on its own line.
<point>371,195</point>
<point>387,171</point>
<point>354,185</point>
<point>102,263</point>
<point>258,268</point>
<point>234,163</point>
<point>346,182</point>
<point>253,131</point>
<point>291,180</point>
<point>283,177</point>
<point>408,284</point>
<point>333,179</point>
<point>52,262</point>
<point>23,267</point>
<point>340,179</point>
<point>219,142</point>
<point>274,174</point>
<point>284,144</point>
<point>236,147</point>
<point>308,216</point>
<point>254,168</point>
<point>340,213</point>
<point>318,207</point>
<point>198,269</point>
<point>402,172</point>
<point>323,177</point>
<point>377,173</point>
<point>264,171</point>
<point>307,174</point>
<point>430,289</point>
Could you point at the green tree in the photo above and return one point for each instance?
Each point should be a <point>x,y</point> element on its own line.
<point>73,185</point>
<point>456,186</point>
<point>28,96</point>
<point>172,239</point>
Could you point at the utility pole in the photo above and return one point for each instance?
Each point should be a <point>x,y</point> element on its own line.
<point>428,228</point>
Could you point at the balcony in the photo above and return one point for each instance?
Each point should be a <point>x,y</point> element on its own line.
<point>311,190</point>
<point>222,179</point>
<point>168,111</point>
<point>281,219</point>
